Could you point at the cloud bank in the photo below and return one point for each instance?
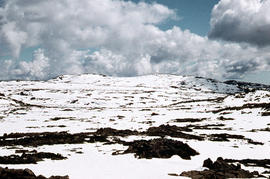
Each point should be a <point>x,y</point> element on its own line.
<point>242,21</point>
<point>112,37</point>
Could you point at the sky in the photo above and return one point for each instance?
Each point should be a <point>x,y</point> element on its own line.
<point>220,39</point>
<point>193,15</point>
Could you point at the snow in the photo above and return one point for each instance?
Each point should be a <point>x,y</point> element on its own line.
<point>88,102</point>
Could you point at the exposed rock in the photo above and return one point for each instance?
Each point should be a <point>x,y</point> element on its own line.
<point>21,151</point>
<point>6,173</point>
<point>208,127</point>
<point>225,119</point>
<point>265,129</point>
<point>115,132</point>
<point>190,120</point>
<point>220,169</point>
<point>265,113</point>
<point>219,99</point>
<point>172,131</point>
<point>154,114</point>
<point>173,174</point>
<point>250,141</point>
<point>48,138</point>
<point>226,137</point>
<point>30,158</point>
<point>61,118</point>
<point>248,87</point>
<point>245,106</point>
<point>159,148</point>
<point>265,163</point>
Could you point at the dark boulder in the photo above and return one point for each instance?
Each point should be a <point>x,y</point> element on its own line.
<point>160,148</point>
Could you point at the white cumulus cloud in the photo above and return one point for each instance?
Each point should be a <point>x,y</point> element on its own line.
<point>36,69</point>
<point>242,21</point>
<point>112,37</point>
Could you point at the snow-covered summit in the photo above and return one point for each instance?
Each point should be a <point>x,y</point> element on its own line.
<point>161,80</point>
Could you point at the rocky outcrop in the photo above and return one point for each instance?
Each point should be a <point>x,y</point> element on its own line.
<point>220,169</point>
<point>160,148</point>
<point>6,173</point>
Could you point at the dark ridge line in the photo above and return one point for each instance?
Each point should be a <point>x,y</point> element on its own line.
<point>199,100</point>
<point>245,106</point>
<point>246,85</point>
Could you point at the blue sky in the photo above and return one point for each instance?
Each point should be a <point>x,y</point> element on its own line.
<point>129,38</point>
<point>194,14</point>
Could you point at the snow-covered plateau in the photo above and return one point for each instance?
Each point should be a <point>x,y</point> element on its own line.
<point>217,119</point>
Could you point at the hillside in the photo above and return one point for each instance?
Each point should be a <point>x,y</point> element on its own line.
<point>97,123</point>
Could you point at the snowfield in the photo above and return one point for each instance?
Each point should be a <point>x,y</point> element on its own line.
<point>86,103</point>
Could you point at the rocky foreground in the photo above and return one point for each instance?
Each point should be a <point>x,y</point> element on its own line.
<point>6,173</point>
<point>221,169</point>
<point>157,126</point>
